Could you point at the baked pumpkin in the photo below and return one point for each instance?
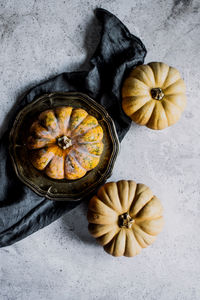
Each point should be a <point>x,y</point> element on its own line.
<point>154,95</point>
<point>65,142</point>
<point>125,217</point>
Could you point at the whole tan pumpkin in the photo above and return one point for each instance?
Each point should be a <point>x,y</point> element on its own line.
<point>65,142</point>
<point>125,217</point>
<point>154,95</point>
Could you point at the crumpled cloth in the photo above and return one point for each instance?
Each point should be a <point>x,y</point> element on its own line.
<point>22,212</point>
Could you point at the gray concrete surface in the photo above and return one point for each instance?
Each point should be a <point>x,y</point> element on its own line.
<point>39,39</point>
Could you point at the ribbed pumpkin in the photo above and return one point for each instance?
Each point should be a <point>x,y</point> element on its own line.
<point>65,142</point>
<point>154,95</point>
<point>125,217</point>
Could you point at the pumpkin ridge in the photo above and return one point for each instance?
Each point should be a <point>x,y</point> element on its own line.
<point>166,78</point>
<point>86,160</point>
<point>164,113</point>
<point>137,195</point>
<point>87,123</point>
<point>160,72</point>
<point>145,74</point>
<point>126,244</point>
<point>83,133</point>
<point>128,90</point>
<point>176,84</point>
<point>50,159</point>
<point>180,103</point>
<point>152,72</point>
<point>157,120</point>
<point>118,241</point>
<point>76,124</point>
<point>148,70</point>
<point>73,156</point>
<point>98,219</point>
<point>138,187</point>
<point>169,107</point>
<point>133,247</point>
<point>50,144</point>
<point>138,221</point>
<point>93,134</point>
<point>55,165</point>
<point>109,210</point>
<point>119,191</point>
<point>136,198</point>
<point>93,211</point>
<point>86,142</point>
<point>174,75</point>
<point>129,98</point>
<point>137,225</point>
<point>64,157</point>
<point>47,140</point>
<point>57,117</point>
<point>113,243</point>
<point>34,131</point>
<point>142,223</point>
<point>48,163</point>
<point>145,233</point>
<point>69,163</point>
<point>167,100</point>
<point>141,117</point>
<point>131,196</point>
<point>53,132</point>
<point>86,152</point>
<point>99,230</point>
<point>32,147</point>
<point>173,94</point>
<point>99,148</point>
<point>135,216</point>
<point>132,230</point>
<point>109,203</point>
<point>112,232</point>
<point>141,82</point>
<point>44,152</point>
<point>127,106</point>
<point>109,247</point>
<point>144,85</point>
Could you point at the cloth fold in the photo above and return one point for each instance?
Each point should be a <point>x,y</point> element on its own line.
<point>22,212</point>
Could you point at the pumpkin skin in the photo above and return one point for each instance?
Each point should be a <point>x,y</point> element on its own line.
<point>125,217</point>
<point>154,95</point>
<point>65,142</point>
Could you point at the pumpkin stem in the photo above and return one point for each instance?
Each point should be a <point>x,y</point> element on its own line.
<point>64,142</point>
<point>157,93</point>
<point>125,220</point>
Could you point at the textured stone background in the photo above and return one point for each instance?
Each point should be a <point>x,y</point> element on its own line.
<point>39,39</point>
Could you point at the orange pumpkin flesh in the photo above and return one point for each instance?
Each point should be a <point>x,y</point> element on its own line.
<point>65,142</point>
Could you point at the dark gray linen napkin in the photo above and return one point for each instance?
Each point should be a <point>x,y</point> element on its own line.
<point>22,212</point>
